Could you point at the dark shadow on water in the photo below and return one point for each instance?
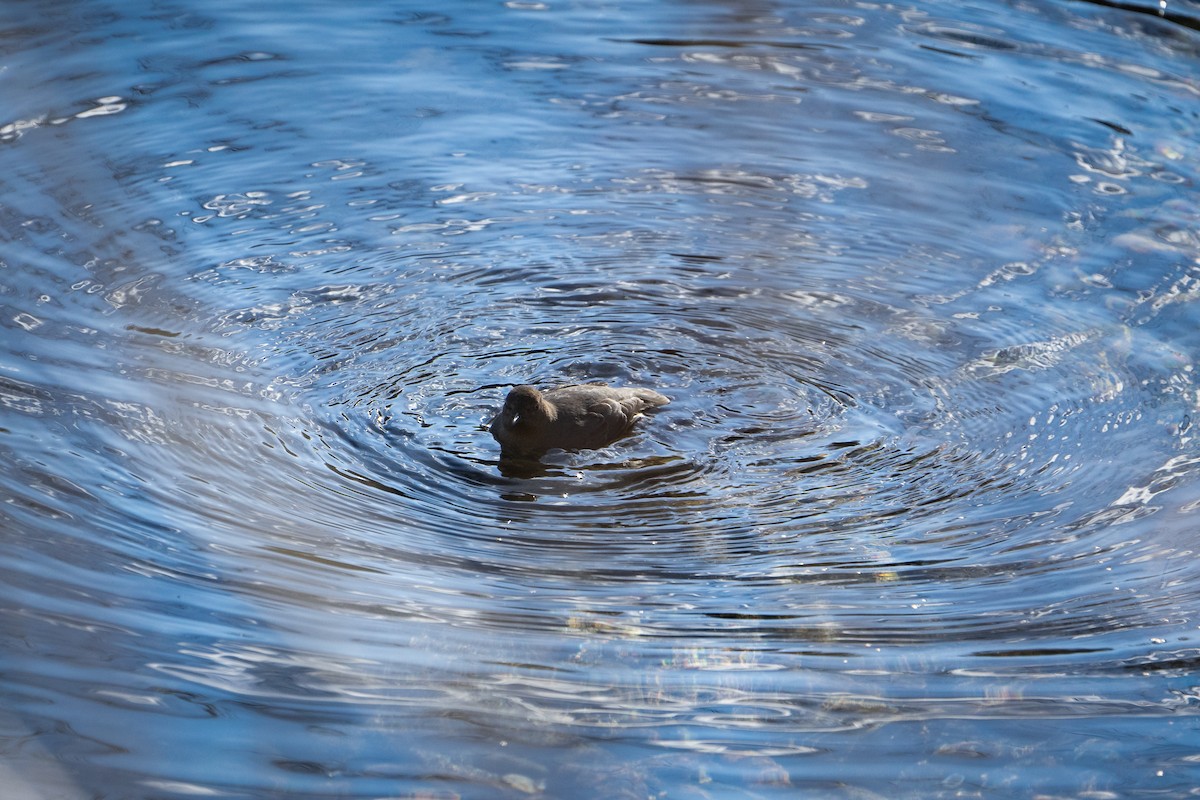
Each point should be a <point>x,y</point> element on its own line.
<point>524,467</point>
<point>529,468</point>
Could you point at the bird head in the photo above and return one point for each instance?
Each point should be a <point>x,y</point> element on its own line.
<point>524,403</point>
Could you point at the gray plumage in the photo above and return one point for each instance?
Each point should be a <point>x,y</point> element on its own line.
<point>576,417</point>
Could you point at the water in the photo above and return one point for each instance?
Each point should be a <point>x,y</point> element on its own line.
<point>921,281</point>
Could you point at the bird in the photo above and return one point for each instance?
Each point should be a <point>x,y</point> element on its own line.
<point>575,417</point>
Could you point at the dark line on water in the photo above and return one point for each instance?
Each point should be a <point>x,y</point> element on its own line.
<point>1153,11</point>
<point>667,42</point>
<point>1113,126</point>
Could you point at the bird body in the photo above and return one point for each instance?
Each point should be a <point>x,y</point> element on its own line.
<point>576,417</point>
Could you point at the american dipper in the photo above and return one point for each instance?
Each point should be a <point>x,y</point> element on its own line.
<point>576,417</point>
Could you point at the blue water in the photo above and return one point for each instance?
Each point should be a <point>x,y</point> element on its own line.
<point>921,280</point>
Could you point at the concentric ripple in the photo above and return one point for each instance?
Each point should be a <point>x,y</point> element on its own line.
<point>807,428</point>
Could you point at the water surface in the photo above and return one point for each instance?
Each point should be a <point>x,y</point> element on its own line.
<point>921,281</point>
